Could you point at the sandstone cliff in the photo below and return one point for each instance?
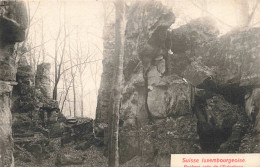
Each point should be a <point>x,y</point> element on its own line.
<point>200,97</point>
<point>13,23</point>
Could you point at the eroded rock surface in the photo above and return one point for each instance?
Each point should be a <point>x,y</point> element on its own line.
<point>78,133</point>
<point>13,23</point>
<point>42,79</point>
<point>149,95</point>
<point>201,98</point>
<point>36,117</point>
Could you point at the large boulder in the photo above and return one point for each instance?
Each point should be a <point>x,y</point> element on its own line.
<point>235,58</point>
<point>80,133</point>
<point>13,22</point>
<point>193,35</point>
<point>199,54</point>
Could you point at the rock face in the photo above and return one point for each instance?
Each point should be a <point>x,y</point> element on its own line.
<point>6,140</point>
<point>42,80</point>
<point>250,142</point>
<point>40,131</point>
<point>13,23</point>
<point>148,95</point>
<point>221,124</point>
<point>79,132</point>
<point>36,117</point>
<point>203,98</point>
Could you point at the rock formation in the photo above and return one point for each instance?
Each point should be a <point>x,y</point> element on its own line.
<point>42,80</point>
<point>31,125</point>
<point>36,117</point>
<point>40,131</point>
<point>203,98</point>
<point>79,133</point>
<point>13,23</point>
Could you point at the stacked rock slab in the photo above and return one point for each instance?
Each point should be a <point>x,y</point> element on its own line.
<point>42,80</point>
<point>13,23</point>
<point>225,71</point>
<point>36,117</point>
<point>168,97</point>
<point>202,98</point>
<point>79,132</point>
<point>49,109</point>
<point>156,107</point>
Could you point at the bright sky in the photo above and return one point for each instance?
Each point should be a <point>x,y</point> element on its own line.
<point>84,19</point>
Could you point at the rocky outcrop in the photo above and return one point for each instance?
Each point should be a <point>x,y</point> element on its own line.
<point>13,23</point>
<point>221,124</point>
<point>40,131</point>
<point>42,79</point>
<point>250,142</point>
<point>6,141</point>
<point>36,117</point>
<point>148,96</point>
<point>79,133</point>
<point>200,97</point>
<point>224,71</point>
<point>226,68</point>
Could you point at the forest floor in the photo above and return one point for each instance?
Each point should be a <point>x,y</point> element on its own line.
<point>92,157</point>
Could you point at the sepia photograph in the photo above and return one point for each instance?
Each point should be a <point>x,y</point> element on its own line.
<point>130,83</point>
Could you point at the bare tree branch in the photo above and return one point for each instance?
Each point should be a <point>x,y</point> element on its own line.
<point>36,46</point>
<point>255,23</point>
<point>211,14</point>
<point>252,13</point>
<point>85,62</point>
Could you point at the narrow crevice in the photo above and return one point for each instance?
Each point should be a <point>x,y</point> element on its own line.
<point>224,137</point>
<point>233,93</point>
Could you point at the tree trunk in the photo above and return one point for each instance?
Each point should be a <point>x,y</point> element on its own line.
<point>82,93</point>
<point>55,91</point>
<point>113,160</point>
<point>73,82</point>
<point>74,97</point>
<point>42,44</point>
<point>81,70</point>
